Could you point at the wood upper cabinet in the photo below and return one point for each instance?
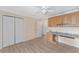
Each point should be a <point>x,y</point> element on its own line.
<point>54,21</point>
<point>78,18</point>
<point>59,20</point>
<point>74,19</point>
<point>66,19</point>
<point>70,19</point>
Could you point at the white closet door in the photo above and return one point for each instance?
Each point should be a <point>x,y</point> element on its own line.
<point>0,32</point>
<point>8,31</point>
<point>19,29</point>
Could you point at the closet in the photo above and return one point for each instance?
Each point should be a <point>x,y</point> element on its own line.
<point>12,30</point>
<point>0,31</point>
<point>7,31</point>
<point>19,30</point>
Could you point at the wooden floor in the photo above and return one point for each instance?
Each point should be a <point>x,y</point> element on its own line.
<point>40,45</point>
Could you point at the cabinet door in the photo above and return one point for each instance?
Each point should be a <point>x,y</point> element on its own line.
<point>52,22</point>
<point>77,18</point>
<point>70,19</point>
<point>59,20</point>
<point>74,19</point>
<point>19,30</point>
<point>8,31</point>
<point>55,21</point>
<point>49,36</point>
<point>66,19</point>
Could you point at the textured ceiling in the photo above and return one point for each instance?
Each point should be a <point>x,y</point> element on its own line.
<point>35,11</point>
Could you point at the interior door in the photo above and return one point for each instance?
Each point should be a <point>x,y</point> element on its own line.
<point>19,29</point>
<point>39,29</point>
<point>8,31</point>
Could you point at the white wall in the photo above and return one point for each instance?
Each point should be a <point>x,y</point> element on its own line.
<point>30,28</point>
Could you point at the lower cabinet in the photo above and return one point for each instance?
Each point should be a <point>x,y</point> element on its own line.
<point>11,30</point>
<point>72,42</point>
<point>51,37</point>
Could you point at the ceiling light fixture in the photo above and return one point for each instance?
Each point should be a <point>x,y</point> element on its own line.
<point>44,9</point>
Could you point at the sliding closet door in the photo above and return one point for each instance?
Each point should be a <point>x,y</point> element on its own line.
<point>0,31</point>
<point>19,29</point>
<point>8,31</point>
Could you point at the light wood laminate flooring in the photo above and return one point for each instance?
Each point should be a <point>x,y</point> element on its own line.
<point>39,45</point>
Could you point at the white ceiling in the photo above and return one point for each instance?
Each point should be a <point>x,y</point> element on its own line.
<point>35,11</point>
